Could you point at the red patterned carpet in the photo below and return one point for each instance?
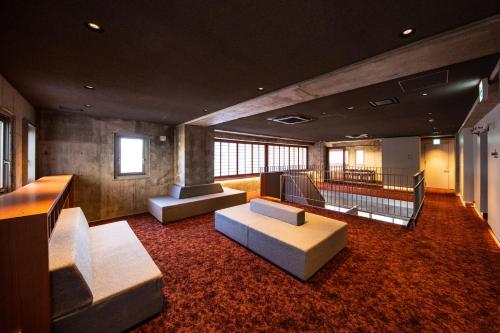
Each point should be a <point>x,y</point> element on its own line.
<point>444,276</point>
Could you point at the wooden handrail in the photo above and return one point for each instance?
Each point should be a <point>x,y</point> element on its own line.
<point>27,218</point>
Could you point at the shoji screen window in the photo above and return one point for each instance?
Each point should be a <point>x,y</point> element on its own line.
<point>258,158</point>
<point>225,159</point>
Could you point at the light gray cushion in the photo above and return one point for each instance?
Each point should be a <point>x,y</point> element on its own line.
<point>300,250</point>
<point>167,209</point>
<point>288,214</point>
<point>70,263</point>
<point>182,192</point>
<point>127,283</point>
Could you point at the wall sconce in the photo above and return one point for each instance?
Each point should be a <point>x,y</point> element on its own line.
<point>495,153</point>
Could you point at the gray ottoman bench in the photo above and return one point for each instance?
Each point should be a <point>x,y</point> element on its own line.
<point>298,242</point>
<point>186,201</point>
<point>102,278</point>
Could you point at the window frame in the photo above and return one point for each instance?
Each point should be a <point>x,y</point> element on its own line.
<point>266,157</point>
<point>7,153</point>
<point>117,155</point>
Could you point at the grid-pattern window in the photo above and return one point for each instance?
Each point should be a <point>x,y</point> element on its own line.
<point>241,158</point>
<point>281,157</point>
<point>258,158</point>
<point>225,159</point>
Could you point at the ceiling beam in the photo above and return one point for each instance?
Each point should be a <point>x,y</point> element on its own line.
<point>469,42</point>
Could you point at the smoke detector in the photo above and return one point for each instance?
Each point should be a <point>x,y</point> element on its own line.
<point>291,119</point>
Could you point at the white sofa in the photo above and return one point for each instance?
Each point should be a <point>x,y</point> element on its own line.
<point>187,201</point>
<point>102,278</point>
<point>279,233</point>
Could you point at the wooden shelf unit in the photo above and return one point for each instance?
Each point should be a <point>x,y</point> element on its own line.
<point>27,218</point>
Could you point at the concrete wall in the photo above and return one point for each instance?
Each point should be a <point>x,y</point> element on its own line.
<point>75,144</point>
<point>316,155</point>
<point>401,153</point>
<point>15,106</point>
<point>194,155</point>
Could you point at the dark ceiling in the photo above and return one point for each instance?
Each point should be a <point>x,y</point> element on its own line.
<point>167,61</point>
<point>448,102</point>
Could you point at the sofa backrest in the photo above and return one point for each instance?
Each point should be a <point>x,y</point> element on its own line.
<point>70,263</point>
<point>182,192</point>
<point>288,214</point>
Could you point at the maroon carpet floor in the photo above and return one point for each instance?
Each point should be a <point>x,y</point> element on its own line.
<point>444,276</point>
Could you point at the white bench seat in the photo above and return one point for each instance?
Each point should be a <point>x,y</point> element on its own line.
<point>124,284</point>
<point>300,250</point>
<point>167,208</point>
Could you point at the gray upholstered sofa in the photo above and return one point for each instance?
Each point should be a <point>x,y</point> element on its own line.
<point>298,242</point>
<point>187,201</point>
<point>102,278</point>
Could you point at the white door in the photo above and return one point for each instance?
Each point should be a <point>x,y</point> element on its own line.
<point>437,166</point>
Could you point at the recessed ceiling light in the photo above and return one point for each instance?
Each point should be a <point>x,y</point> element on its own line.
<point>407,32</point>
<point>431,120</point>
<point>425,94</point>
<point>323,113</point>
<point>94,27</point>
<point>350,107</point>
<point>89,87</point>
<point>260,89</point>
<point>205,110</point>
<point>429,113</point>
<point>87,105</point>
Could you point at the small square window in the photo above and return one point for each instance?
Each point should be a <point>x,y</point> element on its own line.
<point>360,157</point>
<point>131,155</point>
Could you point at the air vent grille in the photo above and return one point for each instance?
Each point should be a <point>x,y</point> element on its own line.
<point>384,102</point>
<point>291,119</point>
<point>357,136</point>
<point>425,81</point>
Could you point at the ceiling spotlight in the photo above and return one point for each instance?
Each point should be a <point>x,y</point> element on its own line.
<point>94,27</point>
<point>431,120</point>
<point>323,113</point>
<point>260,89</point>
<point>89,87</point>
<point>429,113</point>
<point>425,94</point>
<point>349,107</point>
<point>407,32</point>
<point>87,105</point>
<point>205,110</point>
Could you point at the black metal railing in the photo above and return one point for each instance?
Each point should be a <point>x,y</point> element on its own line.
<point>393,194</point>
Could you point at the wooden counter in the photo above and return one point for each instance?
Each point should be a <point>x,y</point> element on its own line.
<point>27,217</point>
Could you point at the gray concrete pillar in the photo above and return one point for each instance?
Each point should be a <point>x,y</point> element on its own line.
<point>194,155</point>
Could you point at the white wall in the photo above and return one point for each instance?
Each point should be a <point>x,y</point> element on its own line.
<point>372,155</point>
<point>18,108</point>
<point>401,153</point>
<point>466,165</point>
<point>493,120</point>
